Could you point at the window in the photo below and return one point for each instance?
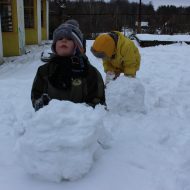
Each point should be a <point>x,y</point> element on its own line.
<point>29,13</point>
<point>6,15</point>
<point>42,13</point>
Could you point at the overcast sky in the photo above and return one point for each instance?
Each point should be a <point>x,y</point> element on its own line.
<point>157,3</point>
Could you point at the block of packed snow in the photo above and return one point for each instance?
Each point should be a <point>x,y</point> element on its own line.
<point>60,140</point>
<point>125,94</point>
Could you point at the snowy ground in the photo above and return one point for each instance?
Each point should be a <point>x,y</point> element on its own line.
<point>150,149</point>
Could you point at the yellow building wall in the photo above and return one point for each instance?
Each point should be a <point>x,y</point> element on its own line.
<point>44,34</point>
<point>10,44</point>
<point>10,39</point>
<point>31,34</point>
<point>44,27</point>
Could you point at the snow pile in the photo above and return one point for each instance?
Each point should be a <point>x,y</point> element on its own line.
<point>128,97</point>
<point>60,140</point>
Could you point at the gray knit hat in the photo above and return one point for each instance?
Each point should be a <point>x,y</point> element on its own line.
<point>72,22</point>
<point>69,29</point>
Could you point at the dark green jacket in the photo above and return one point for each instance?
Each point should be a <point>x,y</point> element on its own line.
<point>88,89</point>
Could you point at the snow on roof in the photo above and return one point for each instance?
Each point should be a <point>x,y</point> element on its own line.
<point>153,37</point>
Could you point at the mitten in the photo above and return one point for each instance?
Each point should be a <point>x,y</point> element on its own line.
<point>110,76</point>
<point>41,102</point>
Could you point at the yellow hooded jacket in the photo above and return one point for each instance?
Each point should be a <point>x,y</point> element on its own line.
<point>126,59</point>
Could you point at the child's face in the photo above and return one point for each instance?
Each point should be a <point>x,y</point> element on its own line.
<point>65,47</point>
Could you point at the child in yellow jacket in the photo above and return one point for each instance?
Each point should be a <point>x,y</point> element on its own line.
<point>119,54</point>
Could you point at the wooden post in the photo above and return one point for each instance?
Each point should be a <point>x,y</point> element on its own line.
<point>21,29</point>
<point>39,22</point>
<point>45,19</point>
<point>139,18</point>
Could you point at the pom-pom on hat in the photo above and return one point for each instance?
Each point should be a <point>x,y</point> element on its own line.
<point>104,45</point>
<point>69,30</point>
<point>72,22</point>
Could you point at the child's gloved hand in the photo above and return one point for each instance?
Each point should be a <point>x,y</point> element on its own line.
<point>41,102</point>
<point>111,76</point>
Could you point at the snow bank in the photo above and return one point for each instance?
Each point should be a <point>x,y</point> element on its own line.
<point>126,97</point>
<point>151,149</point>
<point>152,37</point>
<point>60,140</point>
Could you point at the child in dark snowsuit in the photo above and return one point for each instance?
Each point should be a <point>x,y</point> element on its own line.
<point>68,75</point>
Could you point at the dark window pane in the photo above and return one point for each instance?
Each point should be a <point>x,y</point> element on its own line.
<point>6,15</point>
<point>29,3</point>
<point>42,13</point>
<point>29,13</point>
